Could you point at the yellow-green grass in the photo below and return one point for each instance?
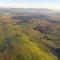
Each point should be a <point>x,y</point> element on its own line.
<point>26,50</point>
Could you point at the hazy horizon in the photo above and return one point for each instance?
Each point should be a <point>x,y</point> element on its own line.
<point>48,4</point>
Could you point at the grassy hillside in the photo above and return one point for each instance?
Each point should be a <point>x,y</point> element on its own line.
<point>17,42</point>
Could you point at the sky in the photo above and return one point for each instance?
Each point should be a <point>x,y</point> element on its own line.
<point>50,4</point>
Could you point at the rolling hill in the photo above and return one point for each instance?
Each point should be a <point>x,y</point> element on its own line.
<point>15,44</point>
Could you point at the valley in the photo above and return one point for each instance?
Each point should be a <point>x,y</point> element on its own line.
<point>29,34</point>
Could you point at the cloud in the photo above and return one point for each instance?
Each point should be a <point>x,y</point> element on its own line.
<point>30,5</point>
